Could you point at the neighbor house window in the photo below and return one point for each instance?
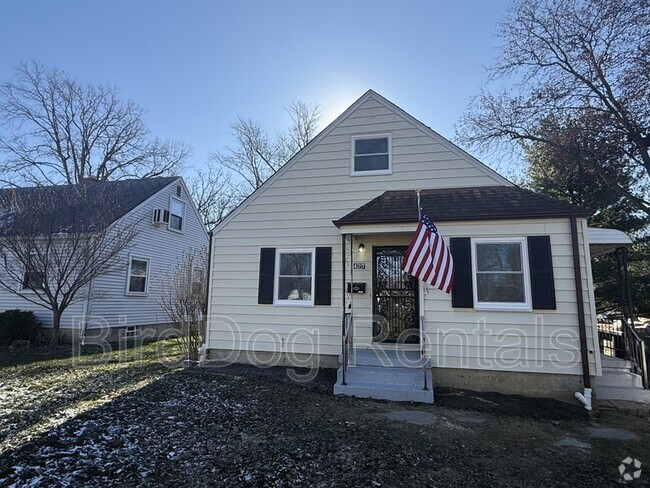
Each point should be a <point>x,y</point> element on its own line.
<point>371,155</point>
<point>294,280</point>
<point>32,280</point>
<point>197,279</point>
<point>501,274</point>
<point>176,214</point>
<point>138,275</point>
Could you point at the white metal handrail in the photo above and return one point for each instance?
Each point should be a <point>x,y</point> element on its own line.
<point>347,343</point>
<point>423,353</point>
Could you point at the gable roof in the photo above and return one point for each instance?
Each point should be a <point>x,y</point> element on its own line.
<point>82,206</point>
<point>460,204</point>
<point>370,94</point>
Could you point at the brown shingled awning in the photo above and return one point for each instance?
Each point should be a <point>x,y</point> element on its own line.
<point>461,204</point>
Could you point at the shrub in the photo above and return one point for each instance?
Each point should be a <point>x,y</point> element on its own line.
<point>18,325</point>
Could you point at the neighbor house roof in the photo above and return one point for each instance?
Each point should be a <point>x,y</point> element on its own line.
<point>458,204</point>
<point>83,205</point>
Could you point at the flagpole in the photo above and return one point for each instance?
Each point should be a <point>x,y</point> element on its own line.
<point>423,286</point>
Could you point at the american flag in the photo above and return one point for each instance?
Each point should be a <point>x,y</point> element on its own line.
<point>427,258</point>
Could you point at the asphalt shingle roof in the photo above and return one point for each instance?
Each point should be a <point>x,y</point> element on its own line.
<point>88,203</point>
<point>460,204</point>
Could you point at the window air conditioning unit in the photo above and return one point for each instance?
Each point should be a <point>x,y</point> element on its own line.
<point>160,216</point>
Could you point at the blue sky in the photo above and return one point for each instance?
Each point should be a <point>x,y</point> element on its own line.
<point>195,65</point>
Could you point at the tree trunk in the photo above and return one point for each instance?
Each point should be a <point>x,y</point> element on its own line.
<point>56,326</point>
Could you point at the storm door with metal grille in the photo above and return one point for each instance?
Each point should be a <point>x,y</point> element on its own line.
<point>395,298</point>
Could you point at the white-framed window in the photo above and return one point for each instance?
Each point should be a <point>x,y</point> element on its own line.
<point>371,155</point>
<point>32,280</point>
<point>198,276</point>
<point>294,277</point>
<point>176,214</point>
<point>137,282</point>
<point>500,268</point>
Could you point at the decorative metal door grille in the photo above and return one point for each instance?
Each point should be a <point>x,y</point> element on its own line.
<point>395,298</point>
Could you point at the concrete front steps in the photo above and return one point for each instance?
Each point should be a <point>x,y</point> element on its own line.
<point>619,383</point>
<point>383,374</point>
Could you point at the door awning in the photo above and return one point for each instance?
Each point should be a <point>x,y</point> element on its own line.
<point>602,241</point>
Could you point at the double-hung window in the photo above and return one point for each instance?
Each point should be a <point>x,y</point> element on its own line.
<point>138,276</point>
<point>371,155</point>
<point>294,278</point>
<point>501,274</point>
<point>32,280</point>
<point>176,214</point>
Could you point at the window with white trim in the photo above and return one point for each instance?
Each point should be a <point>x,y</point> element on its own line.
<point>500,274</point>
<point>176,214</point>
<point>371,155</point>
<point>294,277</point>
<point>197,279</point>
<point>138,276</point>
<point>32,280</point>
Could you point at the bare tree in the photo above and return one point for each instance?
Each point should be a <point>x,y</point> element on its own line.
<point>304,127</point>
<point>582,61</point>
<point>55,240</point>
<point>256,156</point>
<point>185,300</point>
<point>57,130</point>
<point>214,193</point>
<point>253,158</point>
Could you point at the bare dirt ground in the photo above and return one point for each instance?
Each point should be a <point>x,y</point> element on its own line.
<point>132,421</point>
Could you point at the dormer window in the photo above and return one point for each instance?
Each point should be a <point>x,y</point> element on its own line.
<point>371,155</point>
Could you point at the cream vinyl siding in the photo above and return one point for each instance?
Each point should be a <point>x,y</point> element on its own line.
<point>545,341</point>
<point>538,341</point>
<point>295,210</point>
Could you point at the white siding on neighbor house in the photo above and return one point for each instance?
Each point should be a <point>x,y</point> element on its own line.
<point>159,245</point>
<point>162,247</point>
<point>295,210</point>
<point>9,301</point>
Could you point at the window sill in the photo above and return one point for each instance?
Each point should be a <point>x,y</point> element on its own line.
<point>503,307</point>
<point>372,173</point>
<point>293,303</point>
<point>175,231</point>
<point>136,294</point>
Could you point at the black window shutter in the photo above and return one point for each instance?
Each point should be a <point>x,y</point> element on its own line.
<point>541,272</point>
<point>323,292</point>
<point>267,275</point>
<point>462,295</point>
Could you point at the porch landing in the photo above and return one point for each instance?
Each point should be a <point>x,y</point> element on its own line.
<point>386,374</point>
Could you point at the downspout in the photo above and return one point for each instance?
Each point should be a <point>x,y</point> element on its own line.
<point>203,350</point>
<point>585,396</point>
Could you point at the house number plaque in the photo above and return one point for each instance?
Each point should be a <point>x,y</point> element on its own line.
<point>359,265</point>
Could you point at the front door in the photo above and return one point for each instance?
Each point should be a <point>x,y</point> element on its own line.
<point>395,298</point>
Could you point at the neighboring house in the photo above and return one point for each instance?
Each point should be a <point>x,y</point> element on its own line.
<point>126,300</point>
<point>310,262</point>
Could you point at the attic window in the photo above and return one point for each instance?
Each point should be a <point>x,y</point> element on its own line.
<point>371,155</point>
<point>176,214</point>
<point>178,191</point>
